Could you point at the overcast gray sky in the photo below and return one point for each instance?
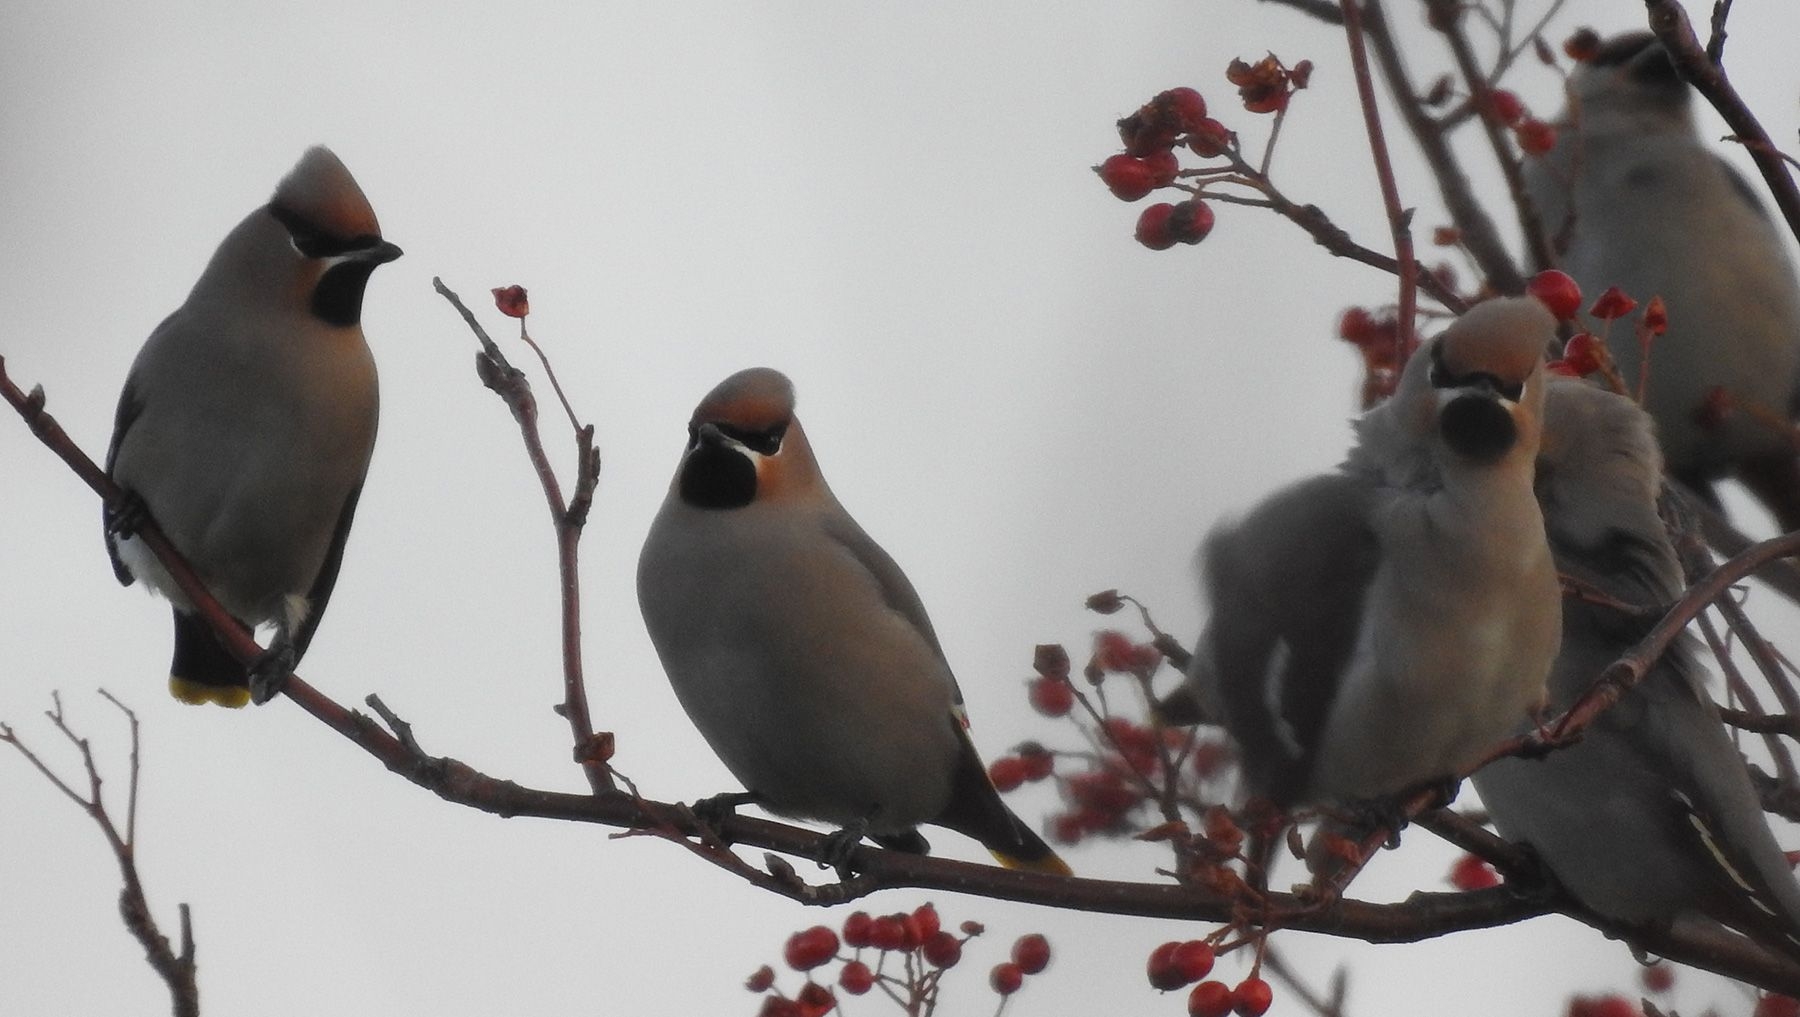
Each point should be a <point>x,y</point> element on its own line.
<point>892,204</point>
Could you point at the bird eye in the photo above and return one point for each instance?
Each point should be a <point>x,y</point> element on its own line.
<point>765,443</point>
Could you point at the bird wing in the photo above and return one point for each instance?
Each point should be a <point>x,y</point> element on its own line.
<point>131,404</point>
<point>1286,587</point>
<point>320,594</point>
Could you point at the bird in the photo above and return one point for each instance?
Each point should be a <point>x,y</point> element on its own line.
<point>800,649</point>
<point>1650,817</point>
<point>1630,196</point>
<point>245,428</point>
<point>1381,626</point>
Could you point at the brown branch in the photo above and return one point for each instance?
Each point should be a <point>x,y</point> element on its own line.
<point>1399,220</point>
<point>1479,234</point>
<point>1739,687</point>
<point>175,969</point>
<point>1422,916</point>
<point>1446,17</point>
<point>509,383</point>
<point>1669,21</point>
<point>1762,723</point>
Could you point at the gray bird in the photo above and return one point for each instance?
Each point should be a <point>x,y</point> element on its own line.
<point>799,648</point>
<point>1632,198</point>
<point>246,424</point>
<point>1383,625</point>
<point>1650,817</point>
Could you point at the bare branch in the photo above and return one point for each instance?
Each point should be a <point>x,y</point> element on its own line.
<point>1399,220</point>
<point>175,969</point>
<point>510,384</point>
<point>1669,21</point>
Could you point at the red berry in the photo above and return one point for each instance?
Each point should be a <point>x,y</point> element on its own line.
<point>1251,998</point>
<point>856,978</point>
<point>814,1000</point>
<point>809,948</point>
<point>777,1006</point>
<point>942,950</point>
<point>1557,291</point>
<point>1659,978</point>
<point>857,928</point>
<point>1127,177</point>
<point>1209,758</point>
<point>1067,828</point>
<point>1506,106</point>
<point>1006,978</point>
<point>1031,952</point>
<point>1614,303</point>
<point>927,917</point>
<point>1777,1006</point>
<point>1583,45</point>
<point>1209,138</point>
<point>1194,959</point>
<point>1602,1006</point>
<point>1582,354</point>
<point>1007,772</point>
<point>1163,167</point>
<point>1188,106</point>
<point>1472,873</point>
<point>1656,316</point>
<point>1153,227</point>
<point>1209,999</point>
<point>886,933</point>
<point>1191,221</point>
<point>1053,697</point>
<point>1160,969</point>
<point>1038,764</point>
<point>910,934</point>
<point>761,979</point>
<point>1535,136</point>
<point>1148,130</point>
<point>511,301</point>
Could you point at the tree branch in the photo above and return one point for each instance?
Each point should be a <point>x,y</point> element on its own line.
<point>591,751</point>
<point>175,969</point>
<point>1669,22</point>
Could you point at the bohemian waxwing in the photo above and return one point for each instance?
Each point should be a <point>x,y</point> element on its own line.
<point>246,426</point>
<point>1651,816</point>
<point>1632,198</point>
<point>799,648</point>
<point>1385,624</point>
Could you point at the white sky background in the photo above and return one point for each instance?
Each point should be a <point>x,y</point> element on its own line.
<point>891,204</point>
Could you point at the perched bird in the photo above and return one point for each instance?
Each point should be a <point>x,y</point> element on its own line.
<point>1631,197</point>
<point>246,424</point>
<point>799,648</point>
<point>1650,816</point>
<point>1383,625</point>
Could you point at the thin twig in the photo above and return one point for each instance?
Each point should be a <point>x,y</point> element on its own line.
<point>1476,227</point>
<point>1399,220</point>
<point>1669,22</point>
<point>508,382</point>
<point>175,968</point>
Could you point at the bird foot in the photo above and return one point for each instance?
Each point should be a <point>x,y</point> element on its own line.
<point>834,850</point>
<point>269,673</point>
<point>125,518</point>
<point>716,809</point>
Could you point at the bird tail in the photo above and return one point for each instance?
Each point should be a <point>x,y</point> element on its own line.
<point>203,670</point>
<point>1034,856</point>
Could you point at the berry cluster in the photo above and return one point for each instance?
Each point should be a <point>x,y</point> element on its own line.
<point>911,952</point>
<point>1175,965</point>
<point>1585,353</point>
<point>1177,118</point>
<point>1128,764</point>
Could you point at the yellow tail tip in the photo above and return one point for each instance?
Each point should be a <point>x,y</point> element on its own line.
<point>193,693</point>
<point>1050,864</point>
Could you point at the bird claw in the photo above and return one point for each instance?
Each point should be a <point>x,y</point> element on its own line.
<point>127,516</point>
<point>269,673</point>
<point>834,850</point>
<point>720,807</point>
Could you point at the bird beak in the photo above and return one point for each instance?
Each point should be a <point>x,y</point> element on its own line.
<point>380,254</point>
